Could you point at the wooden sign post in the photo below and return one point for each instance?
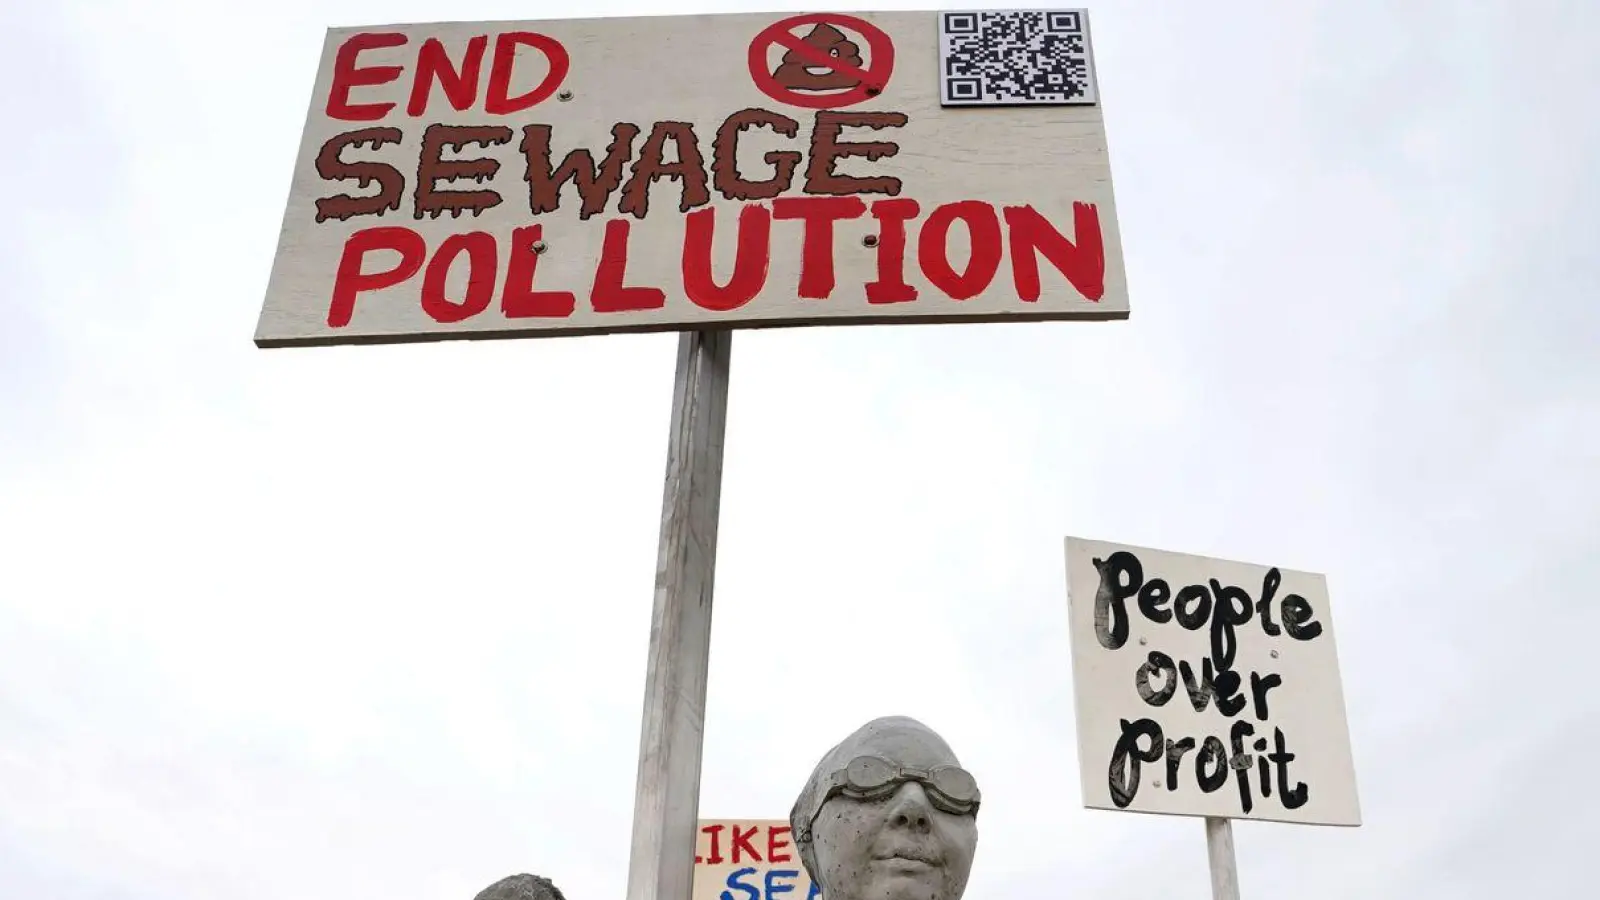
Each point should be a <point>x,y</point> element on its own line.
<point>667,796</point>
<point>592,176</point>
<point>1219,851</point>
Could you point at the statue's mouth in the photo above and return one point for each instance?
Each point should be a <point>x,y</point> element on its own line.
<point>911,856</point>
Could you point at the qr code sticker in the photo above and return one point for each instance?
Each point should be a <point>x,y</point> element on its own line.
<point>1015,57</point>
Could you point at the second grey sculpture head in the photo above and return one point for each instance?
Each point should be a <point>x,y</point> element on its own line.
<point>521,887</point>
<point>888,814</point>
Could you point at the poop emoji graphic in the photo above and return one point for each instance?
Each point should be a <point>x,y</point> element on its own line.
<point>801,71</point>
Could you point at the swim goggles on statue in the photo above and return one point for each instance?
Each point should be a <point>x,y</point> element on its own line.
<point>950,789</point>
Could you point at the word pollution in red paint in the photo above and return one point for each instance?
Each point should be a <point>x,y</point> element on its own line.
<point>505,265</point>
<point>824,68</point>
<point>457,76</point>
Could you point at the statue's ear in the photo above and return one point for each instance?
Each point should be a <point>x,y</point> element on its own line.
<point>808,861</point>
<point>521,887</point>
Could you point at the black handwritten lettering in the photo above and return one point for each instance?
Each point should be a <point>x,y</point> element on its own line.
<point>1269,587</point>
<point>1153,599</point>
<point>1120,577</point>
<point>1241,762</point>
<point>1143,741</point>
<point>1199,692</point>
<point>1175,752</point>
<point>1263,772</point>
<point>1223,686</point>
<point>1227,684</point>
<point>1291,798</point>
<point>1297,615</point>
<point>1161,663</point>
<point>1259,685</point>
<point>1123,775</point>
<point>1193,606</point>
<point>1224,608</point>
<point>1258,766</point>
<point>1232,609</point>
<point>1213,757</point>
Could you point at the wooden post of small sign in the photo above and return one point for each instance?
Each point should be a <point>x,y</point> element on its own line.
<point>667,796</point>
<point>1224,868</point>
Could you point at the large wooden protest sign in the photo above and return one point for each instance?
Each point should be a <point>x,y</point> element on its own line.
<point>696,174</point>
<point>749,859</point>
<point>503,179</point>
<point>1206,688</point>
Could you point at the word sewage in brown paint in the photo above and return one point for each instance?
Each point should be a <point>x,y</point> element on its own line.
<point>669,151</point>
<point>593,183</point>
<point>330,165</point>
<point>433,168</point>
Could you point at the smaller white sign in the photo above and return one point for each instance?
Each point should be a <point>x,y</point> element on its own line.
<point>749,859</point>
<point>1206,688</point>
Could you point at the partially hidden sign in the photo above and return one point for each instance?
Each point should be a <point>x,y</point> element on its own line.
<point>1206,688</point>
<point>749,859</point>
<point>504,179</point>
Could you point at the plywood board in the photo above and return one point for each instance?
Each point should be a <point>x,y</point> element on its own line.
<point>504,179</point>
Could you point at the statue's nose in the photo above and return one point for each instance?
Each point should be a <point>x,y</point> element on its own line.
<point>909,809</point>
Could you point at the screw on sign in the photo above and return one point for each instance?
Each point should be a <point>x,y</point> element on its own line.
<point>824,68</point>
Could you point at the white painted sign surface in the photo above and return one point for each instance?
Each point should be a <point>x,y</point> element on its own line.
<point>507,179</point>
<point>1206,688</point>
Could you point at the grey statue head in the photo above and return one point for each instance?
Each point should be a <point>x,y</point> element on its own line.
<point>521,887</point>
<point>888,814</point>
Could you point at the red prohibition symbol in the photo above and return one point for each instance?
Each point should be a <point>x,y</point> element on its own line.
<point>824,68</point>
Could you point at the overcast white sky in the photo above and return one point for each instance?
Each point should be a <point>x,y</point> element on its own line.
<point>371,622</point>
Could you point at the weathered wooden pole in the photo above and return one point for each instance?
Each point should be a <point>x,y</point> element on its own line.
<point>1224,867</point>
<point>667,797</point>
